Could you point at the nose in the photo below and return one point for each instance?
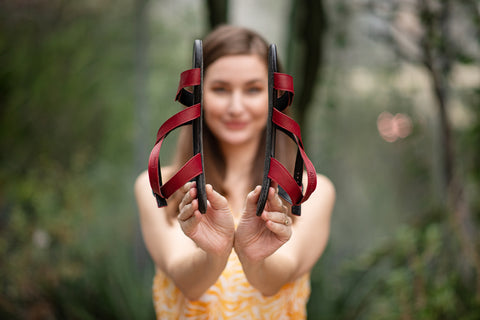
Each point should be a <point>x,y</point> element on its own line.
<point>236,103</point>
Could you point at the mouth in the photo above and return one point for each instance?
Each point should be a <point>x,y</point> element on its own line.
<point>235,125</point>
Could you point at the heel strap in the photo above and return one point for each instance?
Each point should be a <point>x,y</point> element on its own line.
<point>188,78</point>
<point>283,82</point>
<point>293,185</point>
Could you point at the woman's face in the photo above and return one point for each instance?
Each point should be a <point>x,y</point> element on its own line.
<point>236,98</point>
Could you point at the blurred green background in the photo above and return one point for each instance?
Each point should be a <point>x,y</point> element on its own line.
<point>84,85</point>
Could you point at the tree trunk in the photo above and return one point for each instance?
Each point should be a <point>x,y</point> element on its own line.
<point>438,60</point>
<point>308,26</point>
<point>217,12</point>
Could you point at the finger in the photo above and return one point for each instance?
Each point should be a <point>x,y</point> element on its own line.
<point>181,194</point>
<point>274,202</point>
<point>187,186</point>
<point>252,199</point>
<point>188,211</point>
<point>188,226</point>
<point>277,217</point>
<point>216,200</point>
<point>188,197</point>
<point>274,185</point>
<point>282,231</point>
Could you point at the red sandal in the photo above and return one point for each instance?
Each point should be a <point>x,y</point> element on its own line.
<point>193,114</point>
<point>290,188</point>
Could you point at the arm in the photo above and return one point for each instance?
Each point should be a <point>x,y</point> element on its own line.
<point>299,245</point>
<point>193,249</point>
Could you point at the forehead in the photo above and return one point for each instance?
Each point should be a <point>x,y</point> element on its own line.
<point>236,67</point>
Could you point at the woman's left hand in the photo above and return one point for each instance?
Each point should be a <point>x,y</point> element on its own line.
<point>256,238</point>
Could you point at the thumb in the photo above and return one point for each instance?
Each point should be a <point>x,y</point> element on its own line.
<point>216,200</point>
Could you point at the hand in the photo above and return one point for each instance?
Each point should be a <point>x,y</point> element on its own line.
<point>256,238</point>
<point>213,231</point>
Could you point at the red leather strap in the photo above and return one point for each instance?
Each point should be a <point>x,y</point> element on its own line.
<point>190,170</point>
<point>287,123</point>
<point>284,82</point>
<point>280,174</point>
<point>154,168</point>
<point>178,119</point>
<point>188,78</point>
<point>191,167</point>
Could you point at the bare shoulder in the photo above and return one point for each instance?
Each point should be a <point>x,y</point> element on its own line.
<point>142,183</point>
<point>321,202</point>
<point>143,191</point>
<point>325,187</point>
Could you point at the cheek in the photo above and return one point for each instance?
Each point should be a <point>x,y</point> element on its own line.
<point>209,117</point>
<point>212,107</point>
<point>262,119</point>
<point>259,108</point>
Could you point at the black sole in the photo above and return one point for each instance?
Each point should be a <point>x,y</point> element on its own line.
<point>197,126</point>
<point>270,134</point>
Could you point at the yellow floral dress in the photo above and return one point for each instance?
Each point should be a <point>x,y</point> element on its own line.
<point>231,297</point>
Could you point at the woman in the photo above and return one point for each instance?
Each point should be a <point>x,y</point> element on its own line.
<point>229,263</point>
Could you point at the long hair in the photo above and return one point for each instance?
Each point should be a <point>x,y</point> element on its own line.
<point>227,40</point>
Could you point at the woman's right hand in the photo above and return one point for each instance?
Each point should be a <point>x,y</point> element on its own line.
<point>213,231</point>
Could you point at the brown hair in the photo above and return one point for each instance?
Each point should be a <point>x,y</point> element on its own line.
<point>223,41</point>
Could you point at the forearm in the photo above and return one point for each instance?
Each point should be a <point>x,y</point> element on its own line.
<point>270,274</point>
<point>198,248</point>
<point>195,272</point>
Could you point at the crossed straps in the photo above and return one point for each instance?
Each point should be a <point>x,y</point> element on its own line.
<point>193,167</point>
<point>291,187</point>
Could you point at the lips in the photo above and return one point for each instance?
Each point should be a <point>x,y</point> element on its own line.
<point>236,125</point>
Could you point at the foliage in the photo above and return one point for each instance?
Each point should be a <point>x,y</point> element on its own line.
<point>428,268</point>
<point>65,132</point>
<point>415,276</point>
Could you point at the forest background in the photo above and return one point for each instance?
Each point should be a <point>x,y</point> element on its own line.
<point>388,95</point>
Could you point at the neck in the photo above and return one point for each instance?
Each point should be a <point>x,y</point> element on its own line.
<point>239,159</point>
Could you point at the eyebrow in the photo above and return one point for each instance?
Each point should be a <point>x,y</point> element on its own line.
<point>253,81</point>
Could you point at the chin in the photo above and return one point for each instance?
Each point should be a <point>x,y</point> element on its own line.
<point>235,139</point>
<point>235,142</point>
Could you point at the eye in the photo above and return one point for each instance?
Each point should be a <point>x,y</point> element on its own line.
<point>219,89</point>
<point>254,90</point>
